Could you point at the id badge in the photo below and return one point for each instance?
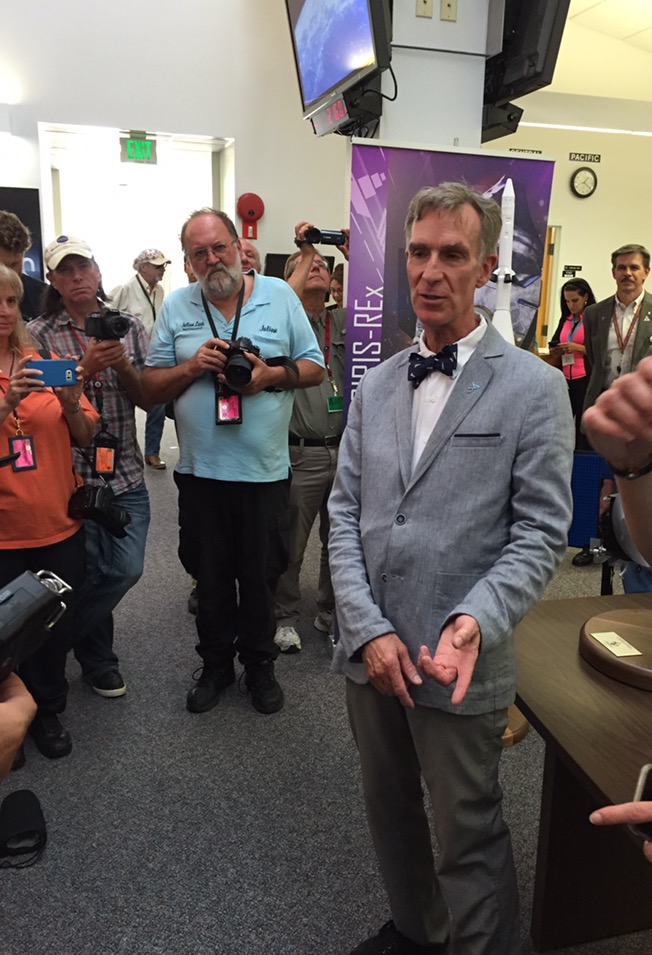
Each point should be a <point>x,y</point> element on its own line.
<point>23,446</point>
<point>568,359</point>
<point>335,403</point>
<point>105,450</point>
<point>228,408</point>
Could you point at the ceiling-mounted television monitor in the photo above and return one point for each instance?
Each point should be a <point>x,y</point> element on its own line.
<point>338,44</point>
<point>532,33</point>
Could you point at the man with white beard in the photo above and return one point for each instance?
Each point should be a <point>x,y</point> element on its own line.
<point>232,402</point>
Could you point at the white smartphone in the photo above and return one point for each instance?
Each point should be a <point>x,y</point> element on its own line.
<point>643,793</point>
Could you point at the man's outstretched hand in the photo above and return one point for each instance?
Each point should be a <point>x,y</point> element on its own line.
<point>455,656</point>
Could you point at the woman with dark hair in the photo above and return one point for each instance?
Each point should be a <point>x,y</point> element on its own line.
<point>567,344</point>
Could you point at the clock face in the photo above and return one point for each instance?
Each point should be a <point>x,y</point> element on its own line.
<point>584,182</point>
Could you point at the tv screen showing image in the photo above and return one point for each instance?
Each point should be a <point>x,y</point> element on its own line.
<point>337,44</point>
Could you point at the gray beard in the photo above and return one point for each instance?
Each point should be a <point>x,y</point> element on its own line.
<point>222,282</point>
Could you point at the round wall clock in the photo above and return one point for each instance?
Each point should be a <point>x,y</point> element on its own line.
<point>584,182</point>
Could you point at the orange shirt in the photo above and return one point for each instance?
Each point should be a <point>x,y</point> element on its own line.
<point>34,504</point>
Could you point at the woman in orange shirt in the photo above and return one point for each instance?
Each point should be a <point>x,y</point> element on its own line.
<point>35,530</point>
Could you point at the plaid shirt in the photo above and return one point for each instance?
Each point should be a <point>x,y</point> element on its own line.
<point>59,335</point>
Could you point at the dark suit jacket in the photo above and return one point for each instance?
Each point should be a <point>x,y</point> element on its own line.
<point>597,322</point>
<point>33,289</point>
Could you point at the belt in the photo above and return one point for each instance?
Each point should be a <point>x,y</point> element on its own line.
<point>331,441</point>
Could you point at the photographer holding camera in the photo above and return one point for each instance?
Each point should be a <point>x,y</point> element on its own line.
<point>38,426</point>
<point>315,430</point>
<point>229,351</point>
<point>111,348</point>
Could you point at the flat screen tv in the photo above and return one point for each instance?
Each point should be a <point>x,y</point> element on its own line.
<point>337,44</point>
<point>532,33</point>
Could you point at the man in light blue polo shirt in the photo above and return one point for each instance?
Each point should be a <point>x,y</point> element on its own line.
<point>233,469</point>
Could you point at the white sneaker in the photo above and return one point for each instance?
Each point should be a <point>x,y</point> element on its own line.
<point>287,640</point>
<point>324,622</point>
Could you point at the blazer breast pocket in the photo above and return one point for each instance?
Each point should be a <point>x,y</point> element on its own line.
<point>476,440</point>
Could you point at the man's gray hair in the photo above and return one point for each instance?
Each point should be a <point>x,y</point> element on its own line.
<point>631,249</point>
<point>452,197</point>
<point>207,211</point>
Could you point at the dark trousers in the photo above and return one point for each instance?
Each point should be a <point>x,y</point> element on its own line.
<point>234,536</point>
<point>44,672</point>
<point>576,392</point>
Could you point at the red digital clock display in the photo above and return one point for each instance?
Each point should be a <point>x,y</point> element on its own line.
<point>329,117</point>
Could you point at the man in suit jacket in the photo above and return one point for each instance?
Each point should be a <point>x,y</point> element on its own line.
<point>617,335</point>
<point>618,330</point>
<point>449,516</point>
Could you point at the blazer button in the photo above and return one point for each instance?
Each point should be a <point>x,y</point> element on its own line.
<point>401,518</point>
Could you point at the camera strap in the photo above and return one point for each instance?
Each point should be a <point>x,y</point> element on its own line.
<point>236,320</point>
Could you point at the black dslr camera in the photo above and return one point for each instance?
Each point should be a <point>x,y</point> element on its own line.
<point>95,503</point>
<point>238,368</point>
<point>107,325</point>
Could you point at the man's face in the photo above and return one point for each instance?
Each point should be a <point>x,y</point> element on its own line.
<point>77,280</point>
<point>444,270</point>
<point>13,260</point>
<point>319,277</point>
<point>337,292</point>
<point>152,274</point>
<point>214,255</point>
<point>249,256</point>
<point>630,275</point>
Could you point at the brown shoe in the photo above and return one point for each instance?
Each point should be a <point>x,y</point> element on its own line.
<point>155,462</point>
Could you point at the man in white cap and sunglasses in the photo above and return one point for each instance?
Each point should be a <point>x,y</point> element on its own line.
<point>142,296</point>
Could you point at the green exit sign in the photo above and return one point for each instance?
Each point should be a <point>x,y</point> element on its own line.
<point>137,148</point>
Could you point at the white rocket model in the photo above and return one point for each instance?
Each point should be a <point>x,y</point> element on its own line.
<point>502,317</point>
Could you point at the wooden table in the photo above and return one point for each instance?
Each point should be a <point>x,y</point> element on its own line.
<point>590,882</point>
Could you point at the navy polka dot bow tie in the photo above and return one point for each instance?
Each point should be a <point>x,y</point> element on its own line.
<point>444,361</point>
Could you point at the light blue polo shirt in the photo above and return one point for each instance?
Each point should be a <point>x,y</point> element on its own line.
<point>256,450</point>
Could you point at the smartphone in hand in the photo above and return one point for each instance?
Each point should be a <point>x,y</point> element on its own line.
<point>57,372</point>
<point>643,793</point>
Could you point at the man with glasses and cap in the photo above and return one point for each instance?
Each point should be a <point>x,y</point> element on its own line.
<point>142,296</point>
<point>112,383</point>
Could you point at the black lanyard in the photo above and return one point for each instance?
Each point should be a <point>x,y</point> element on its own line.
<point>150,301</point>
<point>238,309</point>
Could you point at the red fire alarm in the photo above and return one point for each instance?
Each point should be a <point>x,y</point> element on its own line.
<point>250,208</point>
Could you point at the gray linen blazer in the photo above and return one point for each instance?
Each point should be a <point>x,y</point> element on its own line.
<point>597,322</point>
<point>479,527</point>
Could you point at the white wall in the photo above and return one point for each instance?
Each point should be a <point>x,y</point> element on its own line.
<point>220,68</point>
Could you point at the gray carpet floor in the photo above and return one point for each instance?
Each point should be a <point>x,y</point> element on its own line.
<point>224,833</point>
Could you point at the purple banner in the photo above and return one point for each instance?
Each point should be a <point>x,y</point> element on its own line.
<point>383,181</point>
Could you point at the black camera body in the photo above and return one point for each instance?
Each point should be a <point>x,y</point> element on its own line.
<point>107,325</point>
<point>95,503</point>
<point>324,237</point>
<point>238,368</point>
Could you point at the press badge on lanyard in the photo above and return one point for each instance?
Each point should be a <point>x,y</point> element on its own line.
<point>334,402</point>
<point>105,449</point>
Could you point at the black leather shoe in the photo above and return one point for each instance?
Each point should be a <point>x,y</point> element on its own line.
<point>263,688</point>
<point>583,559</point>
<point>389,941</point>
<point>50,736</point>
<point>208,689</point>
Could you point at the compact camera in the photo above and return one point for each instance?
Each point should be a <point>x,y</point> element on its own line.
<point>95,503</point>
<point>324,237</point>
<point>107,325</point>
<point>238,368</point>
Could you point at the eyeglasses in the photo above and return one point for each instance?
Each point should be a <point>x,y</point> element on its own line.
<point>219,250</point>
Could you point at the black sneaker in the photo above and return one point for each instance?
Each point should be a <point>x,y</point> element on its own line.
<point>389,941</point>
<point>263,688</point>
<point>108,684</point>
<point>50,736</point>
<point>210,685</point>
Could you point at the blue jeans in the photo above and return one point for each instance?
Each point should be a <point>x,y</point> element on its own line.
<point>154,429</point>
<point>637,579</point>
<point>113,566</point>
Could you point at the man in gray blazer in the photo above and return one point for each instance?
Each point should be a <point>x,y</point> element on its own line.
<point>618,330</point>
<point>617,335</point>
<point>449,516</point>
